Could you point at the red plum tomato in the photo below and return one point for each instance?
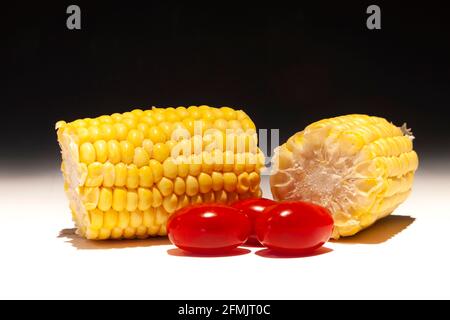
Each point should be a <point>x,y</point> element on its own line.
<point>253,207</point>
<point>294,227</point>
<point>208,228</point>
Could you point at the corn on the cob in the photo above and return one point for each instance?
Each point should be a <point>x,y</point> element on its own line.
<point>358,166</point>
<point>123,177</point>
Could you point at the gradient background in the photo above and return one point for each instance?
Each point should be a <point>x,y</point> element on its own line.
<point>286,66</point>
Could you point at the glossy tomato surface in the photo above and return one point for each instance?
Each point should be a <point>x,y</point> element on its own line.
<point>253,207</point>
<point>208,228</point>
<point>294,227</point>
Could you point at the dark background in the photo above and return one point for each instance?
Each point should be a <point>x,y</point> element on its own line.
<point>285,65</point>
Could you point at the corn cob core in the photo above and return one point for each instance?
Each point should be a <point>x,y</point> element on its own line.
<point>123,177</point>
<point>358,166</point>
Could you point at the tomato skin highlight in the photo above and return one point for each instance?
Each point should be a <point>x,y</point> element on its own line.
<point>208,228</point>
<point>253,207</point>
<point>294,227</point>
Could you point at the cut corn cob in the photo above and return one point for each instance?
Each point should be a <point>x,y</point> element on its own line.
<point>359,167</point>
<point>126,173</point>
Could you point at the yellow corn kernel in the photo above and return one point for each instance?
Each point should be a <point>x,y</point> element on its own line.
<point>141,232</point>
<point>135,137</point>
<point>247,124</point>
<point>105,119</point>
<point>132,177</point>
<point>157,135</point>
<point>113,151</point>
<point>130,123</point>
<point>132,200</point>
<point>170,203</point>
<point>105,199</point>
<point>109,173</point>
<point>207,163</point>
<point>110,219</point>
<point>83,135</point>
<point>195,165</point>
<point>107,132</point>
<point>183,167</point>
<point>217,181</point>
<point>148,218</point>
<point>94,133</point>
<point>120,175</point>
<point>221,124</point>
<point>96,217</point>
<point>192,186</point>
<point>116,233</point>
<point>205,182</point>
<point>170,169</point>
<point>182,112</point>
<point>161,216</point>
<point>166,128</point>
<point>126,151</point>
<point>183,201</point>
<point>145,198</point>
<point>157,197</point>
<point>92,234</point>
<point>165,186</point>
<point>228,113</point>
<point>254,180</point>
<point>157,170</point>
<point>229,181</point>
<point>171,115</point>
<point>87,153</point>
<point>90,197</point>
<point>179,186</point>
<point>141,157</point>
<point>116,117</point>
<point>136,219</point>
<point>119,199</point>
<point>124,219</point>
<point>121,131</point>
<point>160,152</point>
<point>129,233</point>
<point>143,127</point>
<point>101,150</point>
<point>95,175</point>
<point>194,113</point>
<point>147,144</point>
<point>243,184</point>
<point>145,177</point>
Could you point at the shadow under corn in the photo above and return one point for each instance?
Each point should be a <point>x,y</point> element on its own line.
<point>380,232</point>
<point>85,244</point>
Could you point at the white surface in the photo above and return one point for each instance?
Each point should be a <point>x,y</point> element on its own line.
<point>36,263</point>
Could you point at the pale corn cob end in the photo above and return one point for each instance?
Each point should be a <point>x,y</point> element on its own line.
<point>360,167</point>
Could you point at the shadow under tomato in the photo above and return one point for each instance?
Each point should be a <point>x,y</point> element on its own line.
<point>268,253</point>
<point>181,253</point>
<point>381,231</point>
<point>85,244</point>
